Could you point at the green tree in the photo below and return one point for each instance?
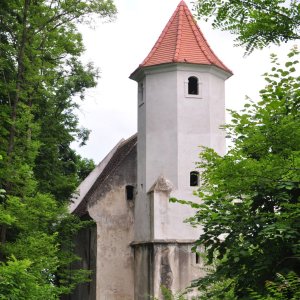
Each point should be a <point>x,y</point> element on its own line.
<point>251,196</point>
<point>40,73</point>
<point>257,23</point>
<point>38,249</point>
<point>284,288</point>
<point>85,167</point>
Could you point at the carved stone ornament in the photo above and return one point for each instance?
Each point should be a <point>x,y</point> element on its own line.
<point>162,185</point>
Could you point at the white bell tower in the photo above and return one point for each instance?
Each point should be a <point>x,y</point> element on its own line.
<point>180,107</point>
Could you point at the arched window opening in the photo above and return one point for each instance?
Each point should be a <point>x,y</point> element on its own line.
<point>129,192</point>
<point>197,258</point>
<point>193,86</point>
<point>194,178</point>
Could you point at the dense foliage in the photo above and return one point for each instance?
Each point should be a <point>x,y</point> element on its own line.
<point>40,73</point>
<point>256,23</point>
<point>251,196</point>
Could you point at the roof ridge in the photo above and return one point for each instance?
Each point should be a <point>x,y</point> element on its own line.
<point>88,182</point>
<point>125,141</point>
<point>179,31</point>
<point>196,31</point>
<point>123,156</point>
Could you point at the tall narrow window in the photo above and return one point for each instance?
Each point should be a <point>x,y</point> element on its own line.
<point>193,86</point>
<point>197,258</point>
<point>141,92</point>
<point>194,178</point>
<point>129,192</point>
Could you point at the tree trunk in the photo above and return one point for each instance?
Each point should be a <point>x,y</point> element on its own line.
<point>2,239</point>
<point>19,79</point>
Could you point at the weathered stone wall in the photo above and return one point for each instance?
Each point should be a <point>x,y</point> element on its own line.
<point>168,263</point>
<point>113,214</point>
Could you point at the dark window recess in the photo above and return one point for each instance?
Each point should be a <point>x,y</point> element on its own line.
<point>141,93</point>
<point>193,86</point>
<point>129,192</point>
<point>197,258</point>
<point>194,178</point>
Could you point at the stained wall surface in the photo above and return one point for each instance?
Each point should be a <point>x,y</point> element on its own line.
<point>170,264</point>
<point>113,214</point>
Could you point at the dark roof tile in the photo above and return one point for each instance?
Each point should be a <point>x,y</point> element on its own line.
<point>122,151</point>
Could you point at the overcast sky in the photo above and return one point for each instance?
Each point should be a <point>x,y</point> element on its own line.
<point>118,48</point>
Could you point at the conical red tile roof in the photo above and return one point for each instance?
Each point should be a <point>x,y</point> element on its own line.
<point>182,42</point>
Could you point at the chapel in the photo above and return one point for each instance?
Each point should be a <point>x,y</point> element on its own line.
<point>139,240</point>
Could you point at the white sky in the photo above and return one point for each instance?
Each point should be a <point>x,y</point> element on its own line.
<point>118,48</point>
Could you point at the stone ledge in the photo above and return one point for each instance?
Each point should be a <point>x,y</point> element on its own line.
<point>137,243</point>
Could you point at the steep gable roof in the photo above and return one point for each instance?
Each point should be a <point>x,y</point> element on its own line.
<point>182,42</point>
<point>109,164</point>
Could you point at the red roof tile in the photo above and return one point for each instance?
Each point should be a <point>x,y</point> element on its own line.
<point>182,42</point>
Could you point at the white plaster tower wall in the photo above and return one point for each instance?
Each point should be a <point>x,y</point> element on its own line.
<point>172,125</point>
<point>199,119</point>
<point>157,137</point>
